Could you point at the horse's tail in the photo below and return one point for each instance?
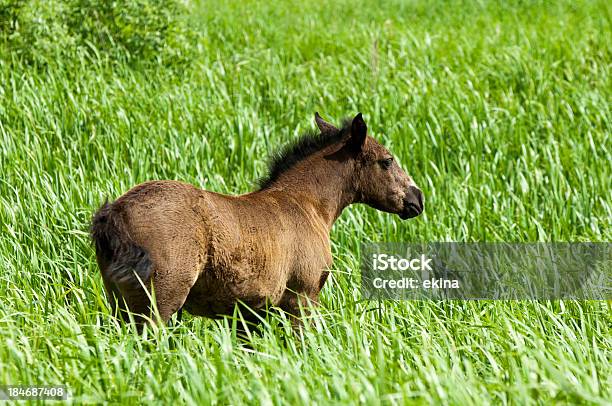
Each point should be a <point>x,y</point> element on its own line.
<point>122,261</point>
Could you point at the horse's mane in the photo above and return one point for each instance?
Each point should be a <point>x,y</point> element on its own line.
<point>296,151</point>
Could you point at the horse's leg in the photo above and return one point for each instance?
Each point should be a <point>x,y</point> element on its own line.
<point>135,302</point>
<point>175,270</point>
<point>172,281</point>
<point>297,304</point>
<point>179,317</point>
<point>248,321</point>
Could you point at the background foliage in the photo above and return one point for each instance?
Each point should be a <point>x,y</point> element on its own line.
<point>57,31</point>
<point>499,110</point>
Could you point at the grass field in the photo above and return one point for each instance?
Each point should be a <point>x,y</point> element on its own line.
<point>500,111</point>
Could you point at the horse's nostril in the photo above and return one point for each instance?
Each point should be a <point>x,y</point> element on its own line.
<point>413,203</point>
<point>415,197</point>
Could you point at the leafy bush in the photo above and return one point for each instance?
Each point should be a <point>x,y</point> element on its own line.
<point>40,32</point>
<point>9,12</point>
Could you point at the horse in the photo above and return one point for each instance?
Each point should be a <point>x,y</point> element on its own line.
<point>174,245</point>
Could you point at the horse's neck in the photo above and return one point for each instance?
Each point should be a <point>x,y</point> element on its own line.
<point>324,185</point>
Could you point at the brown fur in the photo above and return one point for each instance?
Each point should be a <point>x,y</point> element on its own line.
<point>208,252</point>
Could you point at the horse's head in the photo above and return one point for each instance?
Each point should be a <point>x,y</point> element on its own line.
<point>378,180</point>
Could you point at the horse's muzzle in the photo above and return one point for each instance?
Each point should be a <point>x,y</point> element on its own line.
<point>413,203</point>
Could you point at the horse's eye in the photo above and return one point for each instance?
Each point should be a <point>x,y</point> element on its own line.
<point>386,163</point>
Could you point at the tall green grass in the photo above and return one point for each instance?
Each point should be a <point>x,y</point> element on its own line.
<point>499,110</point>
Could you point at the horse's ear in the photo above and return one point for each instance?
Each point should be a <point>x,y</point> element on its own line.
<point>324,126</point>
<point>359,131</point>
